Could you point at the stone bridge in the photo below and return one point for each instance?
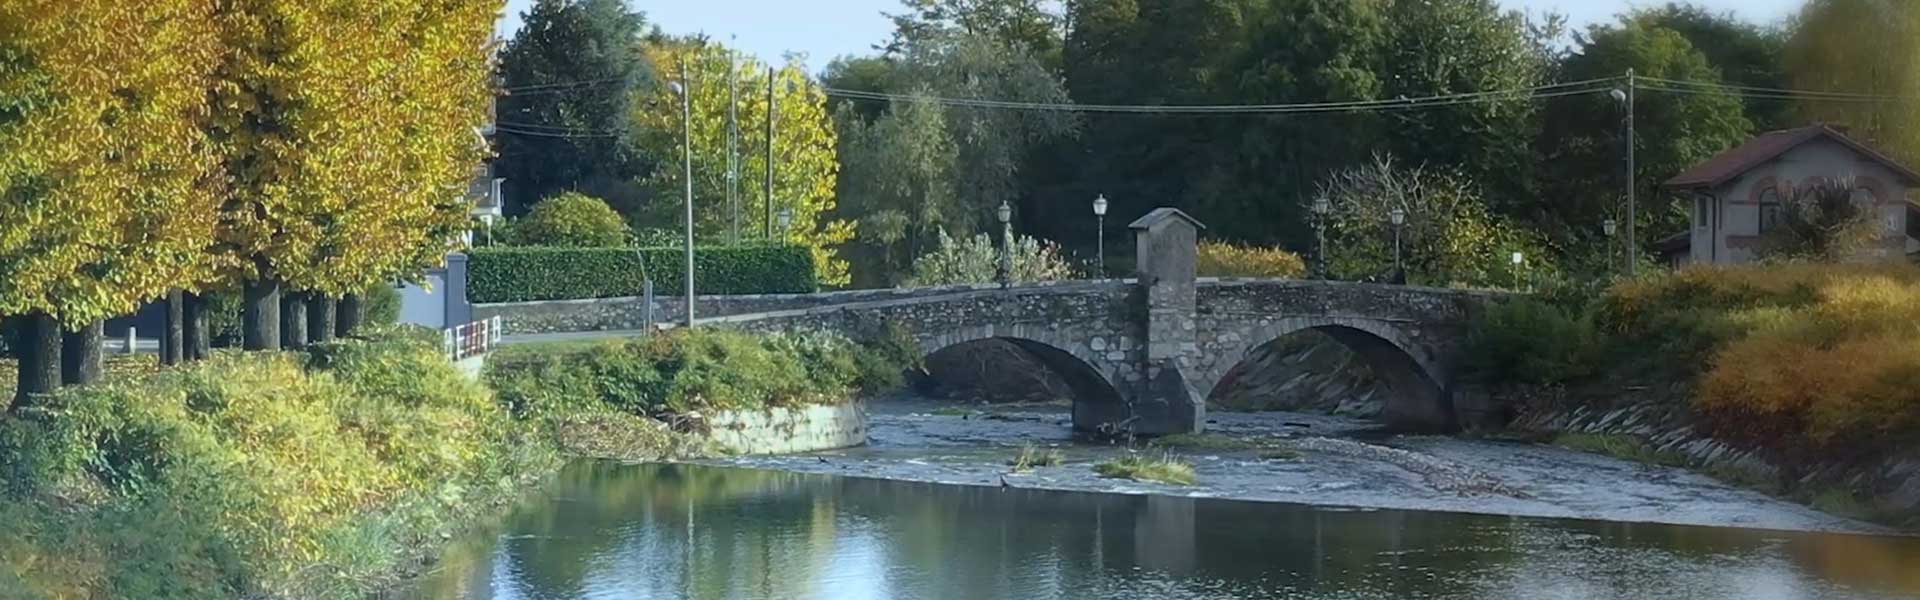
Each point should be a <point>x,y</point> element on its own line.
<point>1142,355</point>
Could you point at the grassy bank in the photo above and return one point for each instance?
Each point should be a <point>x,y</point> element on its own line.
<point>1810,365</point>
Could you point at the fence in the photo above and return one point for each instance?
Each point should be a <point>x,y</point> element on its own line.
<point>472,339</point>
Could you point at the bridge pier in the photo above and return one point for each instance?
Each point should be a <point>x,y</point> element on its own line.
<point>1165,402</point>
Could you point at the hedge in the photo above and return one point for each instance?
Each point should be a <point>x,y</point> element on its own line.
<point>519,274</point>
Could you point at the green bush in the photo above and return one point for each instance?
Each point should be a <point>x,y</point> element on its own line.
<point>681,372</point>
<point>529,274</point>
<point>1220,259</point>
<point>977,260</point>
<point>1531,341</point>
<point>571,219</point>
<point>255,475</point>
<point>382,303</point>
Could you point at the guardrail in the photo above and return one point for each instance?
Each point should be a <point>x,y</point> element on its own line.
<point>473,339</point>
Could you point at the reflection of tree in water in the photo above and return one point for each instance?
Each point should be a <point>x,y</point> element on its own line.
<point>673,531</point>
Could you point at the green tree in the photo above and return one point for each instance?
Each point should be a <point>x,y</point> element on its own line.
<point>1821,220</point>
<point>1861,47</point>
<point>105,194</point>
<point>1031,24</point>
<point>571,219</point>
<point>1745,53</point>
<point>1442,47</point>
<point>804,169</point>
<point>1449,236</point>
<point>897,175</point>
<point>573,72</point>
<point>1582,146</point>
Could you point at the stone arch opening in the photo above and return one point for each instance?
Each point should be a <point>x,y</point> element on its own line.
<point>1012,361</point>
<point>1415,390</point>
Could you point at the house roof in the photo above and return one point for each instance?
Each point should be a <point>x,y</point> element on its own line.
<point>1162,214</point>
<point>1725,166</point>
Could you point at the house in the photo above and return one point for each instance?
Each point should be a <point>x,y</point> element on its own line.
<point>1736,196</point>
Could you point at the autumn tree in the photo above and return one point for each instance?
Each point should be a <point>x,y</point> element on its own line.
<point>105,199</point>
<point>804,163</point>
<point>347,131</point>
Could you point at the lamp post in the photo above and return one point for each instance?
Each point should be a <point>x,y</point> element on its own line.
<point>1625,98</point>
<point>1609,226</point>
<point>686,144</point>
<point>1321,209</point>
<point>1005,272</point>
<point>1100,236</point>
<point>1398,216</point>
<point>786,222</point>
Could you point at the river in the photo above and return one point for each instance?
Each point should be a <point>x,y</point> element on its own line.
<point>930,511</point>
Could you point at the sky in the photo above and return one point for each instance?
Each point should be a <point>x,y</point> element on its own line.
<point>824,29</point>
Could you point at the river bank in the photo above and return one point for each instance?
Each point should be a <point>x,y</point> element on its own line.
<point>1340,462</point>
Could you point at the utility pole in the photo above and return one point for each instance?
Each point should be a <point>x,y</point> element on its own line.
<point>686,145</point>
<point>733,150</point>
<point>1633,216</point>
<point>766,225</point>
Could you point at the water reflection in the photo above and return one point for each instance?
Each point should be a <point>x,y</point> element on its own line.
<point>676,531</point>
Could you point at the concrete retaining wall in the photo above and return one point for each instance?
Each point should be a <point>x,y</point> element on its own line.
<point>787,430</point>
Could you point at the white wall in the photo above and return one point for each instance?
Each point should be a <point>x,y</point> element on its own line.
<point>422,306</point>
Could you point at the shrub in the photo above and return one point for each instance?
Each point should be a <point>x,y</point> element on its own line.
<point>1220,259</point>
<point>252,475</point>
<point>1531,341</point>
<point>530,274</point>
<point>573,220</point>
<point>1449,237</point>
<point>677,372</point>
<point>1032,457</point>
<point>977,260</point>
<point>382,305</point>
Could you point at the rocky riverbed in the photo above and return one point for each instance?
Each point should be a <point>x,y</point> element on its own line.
<point>1308,459</point>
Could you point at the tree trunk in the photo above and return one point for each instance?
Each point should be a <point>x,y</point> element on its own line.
<point>293,320</point>
<point>260,321</point>
<point>196,340</point>
<point>39,351</point>
<point>173,338</point>
<point>320,325</point>
<point>349,314</point>
<point>80,351</point>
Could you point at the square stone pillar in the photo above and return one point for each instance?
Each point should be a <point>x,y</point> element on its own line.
<point>1165,243</point>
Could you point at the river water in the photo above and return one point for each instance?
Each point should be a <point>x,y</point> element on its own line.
<point>697,531</point>
<point>930,511</point>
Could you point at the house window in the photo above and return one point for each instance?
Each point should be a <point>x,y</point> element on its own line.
<point>1700,212</point>
<point>1769,209</point>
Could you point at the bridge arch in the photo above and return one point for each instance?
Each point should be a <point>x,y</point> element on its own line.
<point>1088,374</point>
<point>1416,379</point>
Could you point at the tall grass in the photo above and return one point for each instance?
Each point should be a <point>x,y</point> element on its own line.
<point>1166,468</point>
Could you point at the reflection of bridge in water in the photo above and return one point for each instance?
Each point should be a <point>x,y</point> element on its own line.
<point>1143,354</point>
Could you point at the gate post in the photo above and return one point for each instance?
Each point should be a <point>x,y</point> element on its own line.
<point>1165,242</point>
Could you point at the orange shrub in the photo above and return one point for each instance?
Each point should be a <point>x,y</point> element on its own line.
<point>1221,259</point>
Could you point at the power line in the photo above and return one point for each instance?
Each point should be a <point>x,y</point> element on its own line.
<point>1543,91</point>
<point>553,134</point>
<point>562,84</point>
<point>1806,94</point>
<point>1775,96</point>
<point>536,126</point>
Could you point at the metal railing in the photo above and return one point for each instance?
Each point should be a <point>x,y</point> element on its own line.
<point>472,339</point>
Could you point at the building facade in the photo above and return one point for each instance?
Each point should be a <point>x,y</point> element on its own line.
<point>1736,197</point>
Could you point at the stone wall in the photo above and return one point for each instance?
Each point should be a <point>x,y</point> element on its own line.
<point>629,313</point>
<point>783,430</point>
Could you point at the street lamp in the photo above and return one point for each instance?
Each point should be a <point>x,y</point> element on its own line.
<point>1005,214</point>
<point>1609,226</point>
<point>686,145</point>
<point>786,221</point>
<point>1518,260</point>
<point>1398,216</point>
<point>1100,235</point>
<point>1321,209</point>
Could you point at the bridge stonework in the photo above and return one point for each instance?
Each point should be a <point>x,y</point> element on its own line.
<point>1140,355</point>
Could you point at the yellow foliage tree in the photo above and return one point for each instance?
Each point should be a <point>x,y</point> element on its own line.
<point>349,131</point>
<point>1861,47</point>
<point>805,168</point>
<point>105,199</point>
